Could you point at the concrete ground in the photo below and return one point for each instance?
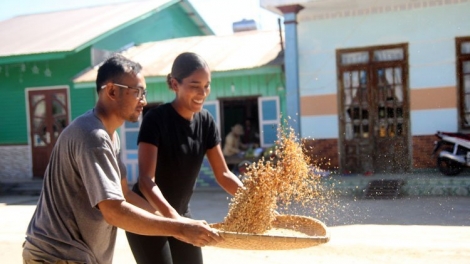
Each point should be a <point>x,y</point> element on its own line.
<point>405,230</point>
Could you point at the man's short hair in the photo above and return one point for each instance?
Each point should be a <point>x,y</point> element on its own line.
<point>114,68</point>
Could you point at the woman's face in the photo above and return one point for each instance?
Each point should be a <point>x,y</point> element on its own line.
<point>192,92</point>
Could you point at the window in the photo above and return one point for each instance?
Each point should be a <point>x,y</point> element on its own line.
<point>372,90</point>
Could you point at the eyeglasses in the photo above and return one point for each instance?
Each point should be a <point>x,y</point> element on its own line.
<point>142,92</point>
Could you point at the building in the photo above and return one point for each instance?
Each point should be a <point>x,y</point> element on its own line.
<point>41,54</point>
<point>372,81</point>
<point>48,72</point>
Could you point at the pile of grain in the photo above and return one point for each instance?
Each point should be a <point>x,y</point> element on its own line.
<point>284,232</point>
<point>271,185</point>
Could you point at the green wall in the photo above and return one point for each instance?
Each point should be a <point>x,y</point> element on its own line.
<point>15,78</point>
<point>264,81</point>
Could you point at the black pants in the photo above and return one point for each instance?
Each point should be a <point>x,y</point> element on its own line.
<point>162,250</point>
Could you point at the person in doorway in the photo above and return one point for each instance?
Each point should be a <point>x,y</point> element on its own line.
<point>233,145</point>
<point>85,194</point>
<point>250,134</point>
<point>172,142</point>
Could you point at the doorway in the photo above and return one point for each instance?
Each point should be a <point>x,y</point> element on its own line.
<point>49,115</point>
<point>240,110</point>
<point>374,117</point>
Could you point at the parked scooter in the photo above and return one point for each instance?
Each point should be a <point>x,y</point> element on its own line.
<point>454,152</point>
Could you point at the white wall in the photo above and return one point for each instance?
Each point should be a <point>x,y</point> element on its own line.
<point>430,33</point>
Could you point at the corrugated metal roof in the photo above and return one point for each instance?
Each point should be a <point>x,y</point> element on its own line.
<point>244,50</point>
<point>69,30</point>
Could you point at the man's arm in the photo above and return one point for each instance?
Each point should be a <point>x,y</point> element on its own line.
<point>190,228</point>
<point>136,220</point>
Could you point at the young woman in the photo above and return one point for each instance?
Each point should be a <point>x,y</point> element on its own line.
<point>173,140</point>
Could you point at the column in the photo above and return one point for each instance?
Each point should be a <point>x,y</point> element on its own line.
<point>291,65</point>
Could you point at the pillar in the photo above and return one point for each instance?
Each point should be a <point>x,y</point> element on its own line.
<point>291,65</point>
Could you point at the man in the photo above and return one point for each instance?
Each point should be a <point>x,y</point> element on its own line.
<point>85,194</point>
<point>233,145</point>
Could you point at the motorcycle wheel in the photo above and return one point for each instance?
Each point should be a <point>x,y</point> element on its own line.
<point>449,167</point>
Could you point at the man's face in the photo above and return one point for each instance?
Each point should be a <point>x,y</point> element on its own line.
<point>132,100</point>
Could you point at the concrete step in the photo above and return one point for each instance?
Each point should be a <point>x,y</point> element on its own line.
<point>414,184</point>
<point>26,187</point>
<point>419,183</point>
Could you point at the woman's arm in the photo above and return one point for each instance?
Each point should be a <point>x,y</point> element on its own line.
<point>133,198</point>
<point>223,175</point>
<point>147,154</point>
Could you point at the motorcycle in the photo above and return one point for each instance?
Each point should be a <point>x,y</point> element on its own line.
<point>454,152</point>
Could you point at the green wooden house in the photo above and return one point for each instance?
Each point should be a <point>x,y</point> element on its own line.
<point>247,83</point>
<point>41,54</point>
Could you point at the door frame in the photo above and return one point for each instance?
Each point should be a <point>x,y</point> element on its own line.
<point>223,102</point>
<point>369,64</point>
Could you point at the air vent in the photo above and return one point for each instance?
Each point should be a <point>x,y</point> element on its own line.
<point>383,189</point>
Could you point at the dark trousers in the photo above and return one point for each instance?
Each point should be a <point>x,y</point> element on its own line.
<point>162,250</point>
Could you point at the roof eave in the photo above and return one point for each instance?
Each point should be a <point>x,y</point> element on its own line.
<point>194,15</point>
<point>265,69</point>
<point>34,57</point>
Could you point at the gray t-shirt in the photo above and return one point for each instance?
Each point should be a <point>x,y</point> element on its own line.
<point>84,169</point>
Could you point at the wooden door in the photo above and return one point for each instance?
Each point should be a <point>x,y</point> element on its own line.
<point>48,111</point>
<point>374,113</point>
<point>358,143</point>
<point>391,120</point>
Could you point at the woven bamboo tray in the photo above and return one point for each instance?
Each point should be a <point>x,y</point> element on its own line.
<point>315,234</point>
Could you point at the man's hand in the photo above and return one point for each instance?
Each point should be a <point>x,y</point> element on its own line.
<point>198,233</point>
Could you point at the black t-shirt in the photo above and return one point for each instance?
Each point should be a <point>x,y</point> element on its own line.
<point>182,145</point>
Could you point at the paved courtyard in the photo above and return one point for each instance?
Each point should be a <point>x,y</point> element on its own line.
<point>405,230</point>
